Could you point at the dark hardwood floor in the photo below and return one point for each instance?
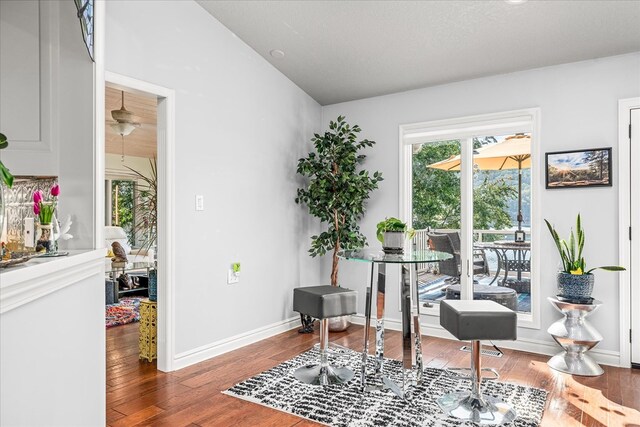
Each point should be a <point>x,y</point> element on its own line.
<point>139,395</point>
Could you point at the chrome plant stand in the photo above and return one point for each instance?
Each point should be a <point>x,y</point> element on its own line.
<point>576,336</point>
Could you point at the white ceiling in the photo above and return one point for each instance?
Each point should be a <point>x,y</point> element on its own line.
<point>344,50</point>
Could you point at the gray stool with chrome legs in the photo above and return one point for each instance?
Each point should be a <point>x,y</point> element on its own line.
<point>475,320</point>
<point>324,302</point>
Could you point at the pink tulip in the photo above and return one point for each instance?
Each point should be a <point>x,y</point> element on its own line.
<point>37,197</point>
<point>36,208</point>
<point>55,190</point>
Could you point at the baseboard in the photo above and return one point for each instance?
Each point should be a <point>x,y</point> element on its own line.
<point>191,357</point>
<point>549,348</point>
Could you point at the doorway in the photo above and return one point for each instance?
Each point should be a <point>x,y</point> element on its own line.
<point>164,100</point>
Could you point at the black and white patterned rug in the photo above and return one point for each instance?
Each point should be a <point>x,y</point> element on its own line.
<point>345,406</point>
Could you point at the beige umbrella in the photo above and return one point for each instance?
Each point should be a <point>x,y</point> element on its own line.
<point>512,153</point>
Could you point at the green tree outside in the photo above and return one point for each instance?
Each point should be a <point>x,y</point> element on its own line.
<point>436,193</point>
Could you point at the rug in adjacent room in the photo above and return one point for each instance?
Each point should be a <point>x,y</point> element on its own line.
<point>345,406</point>
<point>127,310</point>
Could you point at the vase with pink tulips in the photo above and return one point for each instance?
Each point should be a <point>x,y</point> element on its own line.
<point>45,211</point>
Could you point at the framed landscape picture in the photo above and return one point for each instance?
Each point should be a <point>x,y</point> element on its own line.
<point>580,168</point>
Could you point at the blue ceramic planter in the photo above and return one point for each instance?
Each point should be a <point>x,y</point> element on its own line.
<point>575,286</point>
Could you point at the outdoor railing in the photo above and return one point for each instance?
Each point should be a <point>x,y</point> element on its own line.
<point>421,238</point>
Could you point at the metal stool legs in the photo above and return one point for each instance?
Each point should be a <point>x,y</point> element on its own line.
<point>473,405</point>
<point>323,373</point>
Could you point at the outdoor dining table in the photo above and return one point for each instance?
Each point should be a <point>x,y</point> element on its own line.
<point>412,365</point>
<point>518,263</point>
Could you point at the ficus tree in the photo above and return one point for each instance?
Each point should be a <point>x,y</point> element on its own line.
<point>337,189</point>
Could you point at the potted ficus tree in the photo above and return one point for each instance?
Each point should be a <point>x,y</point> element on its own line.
<point>392,233</point>
<point>575,282</point>
<point>336,189</point>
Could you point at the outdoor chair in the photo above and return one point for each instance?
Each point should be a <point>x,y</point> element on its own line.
<point>451,267</point>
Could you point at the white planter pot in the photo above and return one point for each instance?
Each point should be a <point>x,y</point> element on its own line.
<point>393,240</point>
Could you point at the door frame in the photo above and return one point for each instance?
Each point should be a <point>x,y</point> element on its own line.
<point>166,197</point>
<point>624,222</point>
<point>524,120</point>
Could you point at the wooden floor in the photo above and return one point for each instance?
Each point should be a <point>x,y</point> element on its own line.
<point>137,394</point>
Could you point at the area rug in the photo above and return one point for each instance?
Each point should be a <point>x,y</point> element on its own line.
<point>345,406</point>
<point>127,310</point>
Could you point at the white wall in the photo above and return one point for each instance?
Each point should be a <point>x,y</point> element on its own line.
<point>53,359</point>
<point>115,167</point>
<point>578,104</point>
<point>241,126</point>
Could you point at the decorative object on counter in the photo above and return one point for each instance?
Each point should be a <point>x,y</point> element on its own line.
<point>9,259</point>
<point>20,220</point>
<point>45,210</point>
<point>119,255</point>
<point>61,230</point>
<point>336,189</point>
<point>392,233</point>
<point>576,336</point>
<point>575,282</point>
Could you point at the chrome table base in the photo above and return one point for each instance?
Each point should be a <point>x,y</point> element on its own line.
<point>412,363</point>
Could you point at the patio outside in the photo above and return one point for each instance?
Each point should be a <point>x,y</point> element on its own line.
<point>501,205</point>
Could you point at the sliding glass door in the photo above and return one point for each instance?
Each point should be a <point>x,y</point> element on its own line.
<point>466,189</point>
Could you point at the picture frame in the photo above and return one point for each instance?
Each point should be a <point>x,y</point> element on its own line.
<point>579,168</point>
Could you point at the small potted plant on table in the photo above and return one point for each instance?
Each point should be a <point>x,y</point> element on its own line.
<point>575,282</point>
<point>392,233</point>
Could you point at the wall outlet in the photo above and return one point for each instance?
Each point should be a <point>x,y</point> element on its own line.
<point>233,275</point>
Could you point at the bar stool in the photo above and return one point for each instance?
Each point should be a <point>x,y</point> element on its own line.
<point>475,320</point>
<point>324,302</point>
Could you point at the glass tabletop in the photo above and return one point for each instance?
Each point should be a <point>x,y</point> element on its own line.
<point>408,257</point>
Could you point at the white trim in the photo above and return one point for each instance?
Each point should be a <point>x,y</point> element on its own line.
<point>43,277</point>
<point>99,122</point>
<point>624,222</point>
<point>199,354</point>
<point>524,120</point>
<point>166,211</point>
<point>605,357</point>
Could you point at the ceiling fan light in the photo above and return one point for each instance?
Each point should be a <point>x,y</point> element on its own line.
<point>124,129</point>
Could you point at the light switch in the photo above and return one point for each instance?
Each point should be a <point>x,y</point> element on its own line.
<point>199,202</point>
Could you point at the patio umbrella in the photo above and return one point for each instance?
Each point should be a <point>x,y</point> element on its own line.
<point>512,153</point>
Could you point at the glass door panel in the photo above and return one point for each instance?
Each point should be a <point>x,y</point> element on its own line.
<point>435,215</point>
<point>502,219</point>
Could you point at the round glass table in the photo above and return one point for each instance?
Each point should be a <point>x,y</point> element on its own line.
<point>410,305</point>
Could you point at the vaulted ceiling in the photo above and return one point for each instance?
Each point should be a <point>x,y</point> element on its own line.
<point>343,50</point>
<point>142,142</point>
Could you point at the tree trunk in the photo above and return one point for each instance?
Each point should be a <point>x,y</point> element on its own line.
<point>336,248</point>
<point>334,267</point>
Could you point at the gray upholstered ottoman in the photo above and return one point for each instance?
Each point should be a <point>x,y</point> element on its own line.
<point>324,302</point>
<point>475,320</point>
